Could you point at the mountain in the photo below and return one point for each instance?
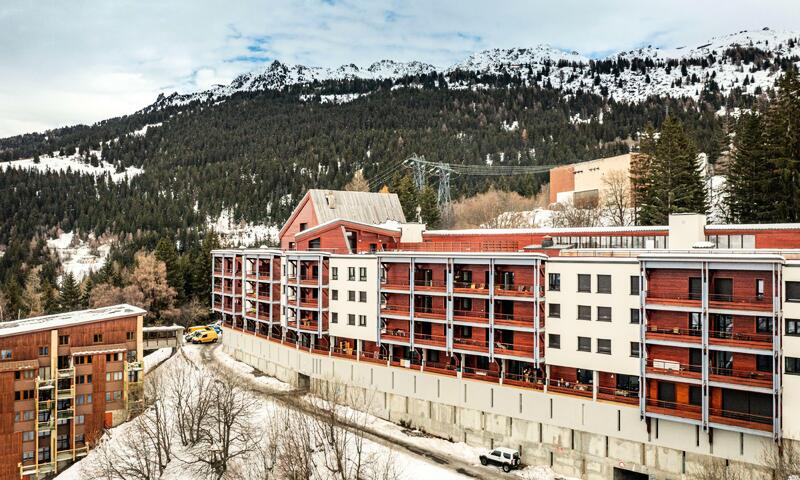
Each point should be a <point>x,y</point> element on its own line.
<point>739,60</point>
<point>247,151</point>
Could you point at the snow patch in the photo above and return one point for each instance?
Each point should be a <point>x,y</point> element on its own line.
<point>242,234</point>
<point>76,256</point>
<point>75,164</point>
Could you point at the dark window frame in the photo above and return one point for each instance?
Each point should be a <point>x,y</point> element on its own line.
<point>603,283</point>
<point>587,344</point>
<point>584,283</point>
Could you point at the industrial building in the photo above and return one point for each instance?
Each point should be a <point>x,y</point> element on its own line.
<point>597,351</point>
<point>63,379</point>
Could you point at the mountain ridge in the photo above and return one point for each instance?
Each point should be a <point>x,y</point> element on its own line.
<point>543,65</point>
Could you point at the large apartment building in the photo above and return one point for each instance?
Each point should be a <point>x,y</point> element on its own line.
<point>634,349</point>
<point>63,379</point>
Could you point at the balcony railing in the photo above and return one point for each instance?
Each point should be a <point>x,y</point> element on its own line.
<point>395,310</point>
<point>618,395</point>
<point>686,334</point>
<point>429,285</point>
<point>396,334</point>
<point>501,348</point>
<point>514,319</point>
<point>471,344</point>
<point>428,339</point>
<point>515,290</point>
<point>740,337</point>
<point>741,419</point>
<point>715,300</point>
<point>572,388</point>
<point>471,316</point>
<point>683,410</point>
<point>469,287</point>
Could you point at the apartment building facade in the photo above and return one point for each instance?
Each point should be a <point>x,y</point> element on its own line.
<point>675,342</point>
<point>64,379</point>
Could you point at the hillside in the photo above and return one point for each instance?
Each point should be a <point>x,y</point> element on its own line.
<point>247,151</point>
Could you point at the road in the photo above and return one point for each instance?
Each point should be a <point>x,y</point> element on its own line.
<point>293,399</point>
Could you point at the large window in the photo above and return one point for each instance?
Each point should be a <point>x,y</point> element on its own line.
<point>764,363</point>
<point>793,327</point>
<point>584,282</point>
<point>604,284</point>
<point>554,310</point>
<point>584,344</point>
<point>603,314</point>
<point>792,366</point>
<point>793,291</point>
<point>604,346</point>
<point>584,312</point>
<point>764,324</point>
<point>554,282</point>
<point>554,340</point>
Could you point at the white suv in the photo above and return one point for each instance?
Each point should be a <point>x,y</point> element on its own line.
<point>507,458</point>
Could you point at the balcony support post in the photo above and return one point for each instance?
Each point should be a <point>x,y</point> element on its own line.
<point>642,344</point>
<point>411,298</point>
<point>777,320</point>
<point>595,383</point>
<point>491,308</point>
<point>704,319</point>
<point>448,305</point>
<point>536,329</point>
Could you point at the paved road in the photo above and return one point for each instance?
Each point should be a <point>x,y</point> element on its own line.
<point>292,399</point>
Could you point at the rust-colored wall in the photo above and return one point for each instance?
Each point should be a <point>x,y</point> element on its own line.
<point>562,179</point>
<point>306,215</point>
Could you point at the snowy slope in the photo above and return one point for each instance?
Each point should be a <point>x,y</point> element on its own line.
<point>548,66</point>
<point>72,163</point>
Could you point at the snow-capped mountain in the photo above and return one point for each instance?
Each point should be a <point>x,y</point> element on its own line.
<point>748,60</point>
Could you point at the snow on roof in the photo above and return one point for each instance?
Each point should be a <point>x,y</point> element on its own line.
<point>547,230</point>
<point>756,226</point>
<point>163,328</point>
<point>711,255</point>
<point>49,322</point>
<point>98,349</point>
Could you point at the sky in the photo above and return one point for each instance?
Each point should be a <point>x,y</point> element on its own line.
<point>81,61</point>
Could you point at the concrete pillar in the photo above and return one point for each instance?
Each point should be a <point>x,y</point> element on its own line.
<point>595,383</point>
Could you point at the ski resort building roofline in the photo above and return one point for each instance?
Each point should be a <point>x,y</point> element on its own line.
<point>68,319</point>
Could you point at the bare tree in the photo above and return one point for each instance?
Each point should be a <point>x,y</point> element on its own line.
<point>192,390</point>
<point>231,433</point>
<point>617,198</point>
<point>358,183</point>
<point>493,209</point>
<point>719,469</point>
<point>783,460</point>
<point>568,214</point>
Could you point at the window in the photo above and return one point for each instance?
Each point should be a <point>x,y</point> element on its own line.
<point>759,288</point>
<point>303,226</point>
<point>554,310</point>
<point>27,436</point>
<point>792,366</point>
<point>554,282</point>
<point>466,331</point>
<point>334,273</point>
<point>603,314</point>
<point>44,351</point>
<point>636,347</point>
<point>695,288</point>
<point>793,327</point>
<point>130,336</point>
<point>636,315</point>
<point>63,339</point>
<point>27,456</point>
<point>80,419</point>
<point>28,415</point>
<point>463,304</point>
<point>362,297</point>
<point>764,363</point>
<point>351,273</point>
<point>634,285</point>
<point>362,274</point>
<point>604,346</point>
<point>80,399</point>
<point>604,284</point>
<point>315,244</point>
<point>97,338</point>
<point>351,295</point>
<point>5,354</point>
<point>334,317</point>
<point>695,395</point>
<point>362,320</point>
<point>334,294</point>
<point>351,319</point>
<point>764,324</point>
<point>584,282</point>
<point>793,291</point>
<point>554,340</point>
<point>113,376</point>
<point>584,312</point>
<point>584,344</point>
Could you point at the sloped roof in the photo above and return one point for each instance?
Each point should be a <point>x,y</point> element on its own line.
<point>68,319</point>
<point>364,207</point>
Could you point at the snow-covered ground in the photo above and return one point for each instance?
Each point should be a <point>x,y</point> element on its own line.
<point>77,257</point>
<point>154,358</point>
<point>236,234</point>
<point>407,466</point>
<point>72,163</point>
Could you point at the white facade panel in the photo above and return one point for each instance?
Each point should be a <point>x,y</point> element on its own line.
<point>364,314</point>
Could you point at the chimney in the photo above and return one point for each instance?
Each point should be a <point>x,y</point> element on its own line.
<point>329,199</point>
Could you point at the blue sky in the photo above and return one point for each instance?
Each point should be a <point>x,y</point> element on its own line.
<point>63,63</point>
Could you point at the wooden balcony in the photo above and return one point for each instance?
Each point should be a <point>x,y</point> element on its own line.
<point>515,320</point>
<point>611,394</point>
<point>759,303</point>
<point>511,349</point>
<point>470,344</point>
<point>471,316</point>
<point>402,286</point>
<point>509,290</point>
<point>737,339</point>
<point>740,419</point>
<point>682,410</point>
<point>430,286</point>
<point>741,377</point>
<point>398,310</point>
<point>430,340</point>
<point>430,314</point>
<point>675,334</point>
<point>260,276</point>
<point>396,335</point>
<point>570,388</point>
<point>468,288</point>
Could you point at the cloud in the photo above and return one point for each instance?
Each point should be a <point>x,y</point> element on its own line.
<point>65,62</point>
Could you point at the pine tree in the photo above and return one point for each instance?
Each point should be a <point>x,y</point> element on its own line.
<point>167,253</point>
<point>69,297</point>
<point>782,149</point>
<point>407,194</point>
<point>428,207</point>
<point>49,298</point>
<point>640,172</point>
<point>675,183</point>
<point>748,199</point>
<point>88,285</point>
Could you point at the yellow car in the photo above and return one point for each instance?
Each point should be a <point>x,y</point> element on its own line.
<point>205,336</point>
